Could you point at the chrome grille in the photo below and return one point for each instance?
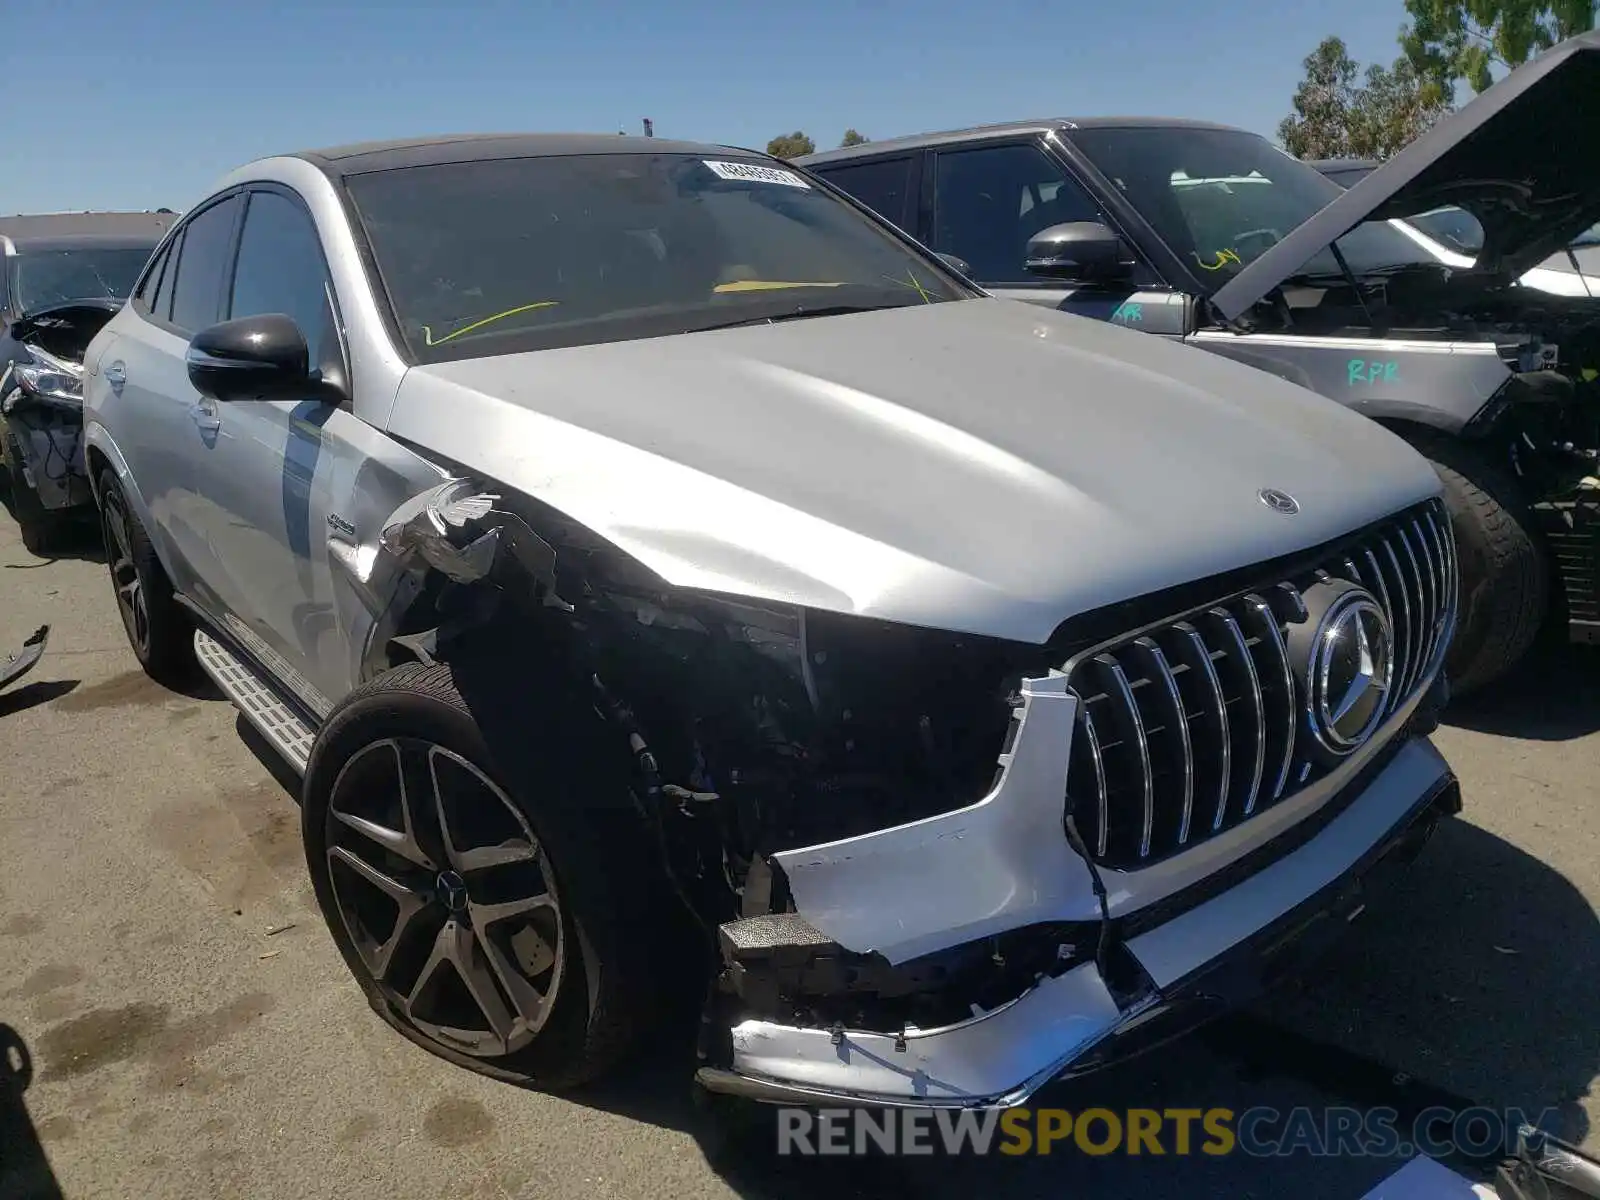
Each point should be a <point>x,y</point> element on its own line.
<point>1189,727</point>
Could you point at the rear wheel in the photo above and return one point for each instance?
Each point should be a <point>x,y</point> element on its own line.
<point>158,629</point>
<point>40,527</point>
<point>486,915</point>
<point>1505,573</point>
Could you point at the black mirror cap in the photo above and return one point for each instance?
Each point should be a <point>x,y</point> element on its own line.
<point>1087,251</point>
<point>251,358</point>
<point>959,265</point>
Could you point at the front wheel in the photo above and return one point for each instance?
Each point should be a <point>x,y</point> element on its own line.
<point>473,900</point>
<point>1505,573</point>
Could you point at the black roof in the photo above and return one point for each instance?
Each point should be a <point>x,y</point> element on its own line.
<point>947,137</point>
<point>364,157</point>
<point>62,230</point>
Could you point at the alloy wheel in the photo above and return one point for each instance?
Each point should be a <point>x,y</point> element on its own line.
<point>446,895</point>
<point>131,600</point>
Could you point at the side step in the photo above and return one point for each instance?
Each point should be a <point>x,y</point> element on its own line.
<point>274,720</point>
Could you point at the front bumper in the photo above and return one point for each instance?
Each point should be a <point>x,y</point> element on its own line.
<point>1209,956</point>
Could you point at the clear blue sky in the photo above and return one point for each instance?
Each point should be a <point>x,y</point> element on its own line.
<point>144,103</point>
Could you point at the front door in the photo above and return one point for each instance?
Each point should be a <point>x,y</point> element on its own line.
<point>989,200</point>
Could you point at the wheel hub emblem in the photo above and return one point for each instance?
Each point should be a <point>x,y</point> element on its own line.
<point>452,891</point>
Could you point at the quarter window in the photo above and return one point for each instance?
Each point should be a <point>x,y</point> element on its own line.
<point>991,200</point>
<point>202,265</point>
<point>152,279</point>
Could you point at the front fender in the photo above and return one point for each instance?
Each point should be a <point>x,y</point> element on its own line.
<point>98,441</point>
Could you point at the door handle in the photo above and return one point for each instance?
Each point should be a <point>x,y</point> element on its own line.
<point>117,374</point>
<point>205,419</point>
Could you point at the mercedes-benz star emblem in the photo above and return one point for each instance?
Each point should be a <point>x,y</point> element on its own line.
<point>1348,651</point>
<point>1279,502</point>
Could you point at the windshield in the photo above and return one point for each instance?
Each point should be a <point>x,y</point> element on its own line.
<point>45,278</point>
<point>530,253</point>
<point>1220,198</point>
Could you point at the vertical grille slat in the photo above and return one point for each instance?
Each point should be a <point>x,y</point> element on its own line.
<point>1192,726</point>
<point>1196,656</point>
<point>1126,708</point>
<point>1161,674</point>
<point>1272,636</point>
<point>1239,653</point>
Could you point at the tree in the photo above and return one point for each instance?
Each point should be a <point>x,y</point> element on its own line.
<point>1340,114</point>
<point>791,145</point>
<point>852,138</point>
<point>1464,40</point>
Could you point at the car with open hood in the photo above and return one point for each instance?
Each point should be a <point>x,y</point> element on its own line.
<point>658,568</point>
<point>1215,236</point>
<point>1454,236</point>
<point>62,276</point>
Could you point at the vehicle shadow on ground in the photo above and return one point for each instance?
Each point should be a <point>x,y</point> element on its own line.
<point>1553,696</point>
<point>1477,975</point>
<point>79,538</point>
<point>25,1172</point>
<point>29,695</point>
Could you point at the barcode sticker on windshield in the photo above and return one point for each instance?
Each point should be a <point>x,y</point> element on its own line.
<point>756,173</point>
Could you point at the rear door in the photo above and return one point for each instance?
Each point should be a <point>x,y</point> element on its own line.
<point>161,424</point>
<point>989,199</point>
<point>886,185</point>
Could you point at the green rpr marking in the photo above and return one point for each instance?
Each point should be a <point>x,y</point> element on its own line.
<point>1359,371</point>
<point>1128,311</point>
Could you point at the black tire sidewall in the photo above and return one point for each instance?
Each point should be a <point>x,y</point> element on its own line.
<point>169,657</point>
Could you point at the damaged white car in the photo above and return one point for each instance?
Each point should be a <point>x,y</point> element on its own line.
<point>652,560</point>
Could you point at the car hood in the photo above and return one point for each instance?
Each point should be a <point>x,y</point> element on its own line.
<point>984,466</point>
<point>1495,158</point>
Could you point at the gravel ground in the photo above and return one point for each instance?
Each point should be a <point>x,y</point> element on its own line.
<point>193,1032</point>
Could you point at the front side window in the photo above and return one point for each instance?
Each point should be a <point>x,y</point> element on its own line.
<point>201,264</point>
<point>45,278</point>
<point>989,202</point>
<point>506,255</point>
<point>1220,198</point>
<point>280,269</point>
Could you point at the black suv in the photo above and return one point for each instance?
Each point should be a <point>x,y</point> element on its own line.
<point>63,276</point>
<point>1215,236</point>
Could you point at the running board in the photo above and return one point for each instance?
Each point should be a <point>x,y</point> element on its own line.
<point>274,720</point>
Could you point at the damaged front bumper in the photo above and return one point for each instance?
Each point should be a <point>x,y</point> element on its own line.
<point>48,441</point>
<point>1170,972</point>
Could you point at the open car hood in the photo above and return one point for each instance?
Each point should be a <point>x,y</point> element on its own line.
<point>1495,158</point>
<point>75,312</point>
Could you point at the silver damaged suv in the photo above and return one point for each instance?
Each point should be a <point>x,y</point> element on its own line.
<point>660,569</point>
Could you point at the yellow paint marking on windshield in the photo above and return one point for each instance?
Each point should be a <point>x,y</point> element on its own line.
<point>1224,257</point>
<point>911,281</point>
<point>427,333</point>
<point>767,285</point>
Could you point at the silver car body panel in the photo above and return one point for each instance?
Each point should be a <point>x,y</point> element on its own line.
<point>1018,469</point>
<point>999,1058</point>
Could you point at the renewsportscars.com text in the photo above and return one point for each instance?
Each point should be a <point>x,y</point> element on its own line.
<point>1259,1132</point>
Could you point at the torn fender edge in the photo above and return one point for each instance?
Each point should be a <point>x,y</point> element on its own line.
<point>999,864</point>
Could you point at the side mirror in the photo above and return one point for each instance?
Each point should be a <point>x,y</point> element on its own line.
<point>959,265</point>
<point>1087,251</point>
<point>251,358</point>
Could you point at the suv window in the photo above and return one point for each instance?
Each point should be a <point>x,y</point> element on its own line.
<point>991,200</point>
<point>883,185</point>
<point>280,269</point>
<point>151,283</point>
<point>202,264</point>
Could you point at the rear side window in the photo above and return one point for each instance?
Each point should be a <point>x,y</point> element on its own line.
<point>280,269</point>
<point>146,295</point>
<point>883,185</point>
<point>202,265</point>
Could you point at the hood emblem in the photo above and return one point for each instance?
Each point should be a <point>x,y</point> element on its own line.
<point>1279,502</point>
<point>1348,656</point>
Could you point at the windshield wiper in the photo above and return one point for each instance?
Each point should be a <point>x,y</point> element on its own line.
<point>820,310</point>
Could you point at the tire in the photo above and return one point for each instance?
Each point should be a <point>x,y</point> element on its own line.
<point>159,631</point>
<point>594,964</point>
<point>39,526</point>
<point>1505,570</point>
